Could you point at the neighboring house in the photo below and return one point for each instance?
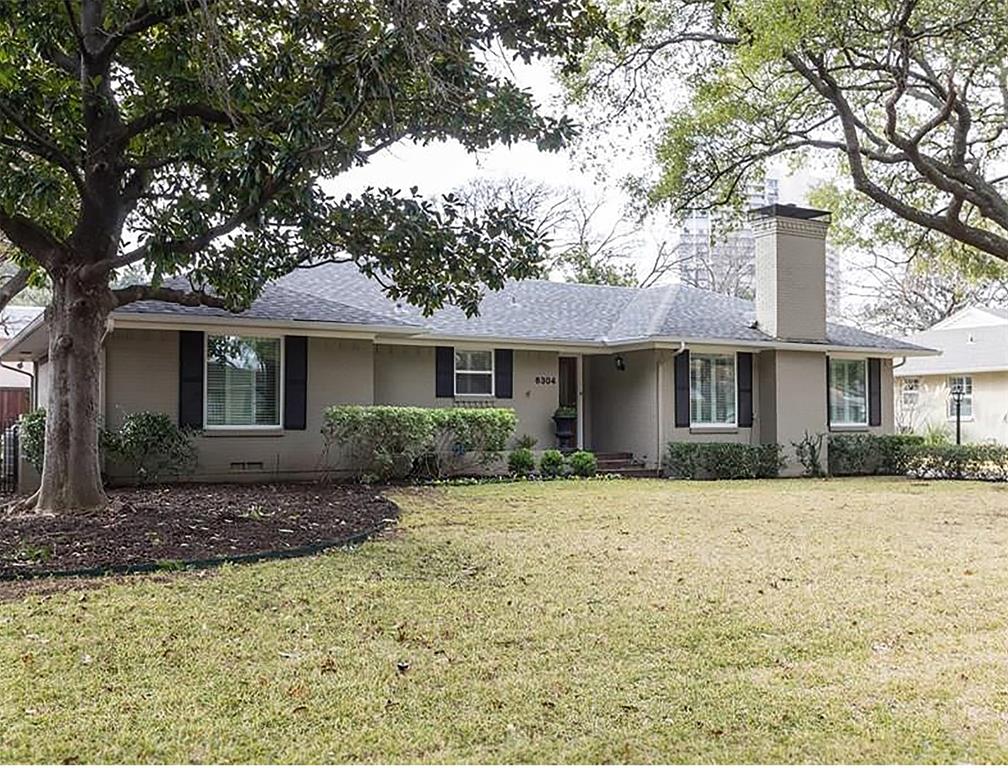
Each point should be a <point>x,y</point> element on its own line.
<point>641,366</point>
<point>16,380</point>
<point>974,346</point>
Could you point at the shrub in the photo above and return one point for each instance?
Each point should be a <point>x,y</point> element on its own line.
<point>152,446</point>
<point>722,461</point>
<point>866,454</point>
<point>808,451</point>
<point>551,464</point>
<point>385,442</point>
<point>526,441</point>
<point>521,462</point>
<point>583,464</point>
<point>959,462</point>
<point>31,436</point>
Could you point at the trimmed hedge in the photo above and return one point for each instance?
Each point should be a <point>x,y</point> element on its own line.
<point>551,463</point>
<point>583,464</point>
<point>865,454</point>
<point>959,462</point>
<point>388,442</point>
<point>521,462</point>
<point>722,461</point>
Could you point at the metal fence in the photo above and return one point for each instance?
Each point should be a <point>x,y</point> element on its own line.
<point>9,455</point>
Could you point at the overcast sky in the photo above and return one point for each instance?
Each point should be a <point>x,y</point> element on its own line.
<point>441,167</point>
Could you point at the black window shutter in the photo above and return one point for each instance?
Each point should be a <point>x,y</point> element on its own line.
<point>192,347</point>
<point>682,393</point>
<point>874,391</point>
<point>744,380</point>
<point>504,373</point>
<point>444,373</point>
<point>295,382</point>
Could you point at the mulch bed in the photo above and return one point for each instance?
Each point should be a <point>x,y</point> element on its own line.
<point>166,527</point>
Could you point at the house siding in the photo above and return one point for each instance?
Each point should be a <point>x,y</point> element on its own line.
<point>624,404</point>
<point>142,374</point>
<point>404,375</point>
<point>990,407</point>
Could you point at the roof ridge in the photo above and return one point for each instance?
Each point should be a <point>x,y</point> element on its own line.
<point>315,297</point>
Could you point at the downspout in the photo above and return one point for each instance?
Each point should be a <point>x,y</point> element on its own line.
<point>658,398</point>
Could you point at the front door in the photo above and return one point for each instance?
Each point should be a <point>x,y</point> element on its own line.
<point>567,428</point>
<point>567,382</point>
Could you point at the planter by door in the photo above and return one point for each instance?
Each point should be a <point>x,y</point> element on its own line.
<point>566,431</point>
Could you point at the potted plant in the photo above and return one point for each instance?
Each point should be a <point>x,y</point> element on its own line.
<point>565,419</point>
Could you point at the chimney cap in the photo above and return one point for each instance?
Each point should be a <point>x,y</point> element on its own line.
<point>787,210</point>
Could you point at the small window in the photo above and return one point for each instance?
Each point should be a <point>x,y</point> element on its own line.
<point>242,381</point>
<point>474,372</point>
<point>966,408</point>
<point>848,393</point>
<point>910,393</point>
<point>712,390</point>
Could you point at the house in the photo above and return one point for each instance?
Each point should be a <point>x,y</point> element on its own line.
<point>16,380</point>
<point>974,346</point>
<point>640,366</point>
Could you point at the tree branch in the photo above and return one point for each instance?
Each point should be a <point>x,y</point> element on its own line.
<point>133,293</point>
<point>14,285</point>
<point>206,114</point>
<point>31,238</point>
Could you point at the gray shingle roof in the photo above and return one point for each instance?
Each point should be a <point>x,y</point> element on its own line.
<point>982,348</point>
<point>529,310</point>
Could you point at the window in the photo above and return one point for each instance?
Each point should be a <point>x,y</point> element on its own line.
<point>243,381</point>
<point>712,390</point>
<point>910,393</point>
<point>966,382</point>
<point>474,372</point>
<point>848,393</point>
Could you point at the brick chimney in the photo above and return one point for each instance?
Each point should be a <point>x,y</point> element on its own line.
<point>791,271</point>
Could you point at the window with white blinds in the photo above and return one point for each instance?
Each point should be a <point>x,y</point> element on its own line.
<point>243,381</point>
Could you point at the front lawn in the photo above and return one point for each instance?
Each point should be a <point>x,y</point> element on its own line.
<point>766,621</point>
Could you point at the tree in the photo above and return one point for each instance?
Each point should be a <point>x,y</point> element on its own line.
<point>907,278</point>
<point>191,136</point>
<point>582,249</point>
<point>910,96</point>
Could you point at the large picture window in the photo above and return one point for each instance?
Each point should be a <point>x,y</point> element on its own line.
<point>474,372</point>
<point>966,407</point>
<point>243,381</point>
<point>712,390</point>
<point>848,393</point>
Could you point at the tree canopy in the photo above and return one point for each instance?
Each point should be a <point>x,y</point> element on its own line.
<point>191,136</point>
<point>908,97</point>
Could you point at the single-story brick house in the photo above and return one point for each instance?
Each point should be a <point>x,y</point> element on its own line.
<point>641,366</point>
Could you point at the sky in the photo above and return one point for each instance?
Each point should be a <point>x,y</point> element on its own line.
<point>441,167</point>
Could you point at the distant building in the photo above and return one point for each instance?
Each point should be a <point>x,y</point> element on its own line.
<point>718,253</point>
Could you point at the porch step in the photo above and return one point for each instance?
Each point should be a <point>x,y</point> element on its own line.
<point>635,471</point>
<point>614,456</point>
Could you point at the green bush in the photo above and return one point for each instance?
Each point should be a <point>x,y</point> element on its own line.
<point>521,462</point>
<point>149,444</point>
<point>152,446</point>
<point>583,464</point>
<point>722,461</point>
<point>867,454</point>
<point>551,463</point>
<point>387,442</point>
<point>31,437</point>
<point>959,462</point>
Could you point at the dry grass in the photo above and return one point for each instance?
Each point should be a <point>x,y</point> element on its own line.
<point>853,620</point>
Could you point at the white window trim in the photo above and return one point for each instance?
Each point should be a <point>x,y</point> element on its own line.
<point>493,374</point>
<point>950,405</point>
<point>715,425</point>
<point>867,394</point>
<point>916,391</point>
<point>280,390</point>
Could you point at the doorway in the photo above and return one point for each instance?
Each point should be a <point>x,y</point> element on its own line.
<point>567,382</point>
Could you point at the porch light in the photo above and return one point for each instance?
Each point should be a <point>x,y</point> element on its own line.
<point>620,364</point>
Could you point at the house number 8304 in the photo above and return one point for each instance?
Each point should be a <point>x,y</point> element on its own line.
<point>545,379</point>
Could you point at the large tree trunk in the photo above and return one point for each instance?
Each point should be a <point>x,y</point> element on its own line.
<point>71,475</point>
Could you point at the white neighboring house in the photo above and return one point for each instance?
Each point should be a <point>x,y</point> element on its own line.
<point>974,346</point>
<point>16,379</point>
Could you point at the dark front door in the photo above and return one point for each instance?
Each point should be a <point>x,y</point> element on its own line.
<point>567,382</point>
